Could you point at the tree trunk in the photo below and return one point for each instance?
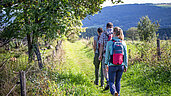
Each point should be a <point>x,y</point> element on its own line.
<point>35,43</point>
<point>37,52</point>
<point>30,47</point>
<point>29,38</point>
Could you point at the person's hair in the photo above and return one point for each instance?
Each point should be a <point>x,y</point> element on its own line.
<point>100,30</point>
<point>119,32</point>
<point>109,25</point>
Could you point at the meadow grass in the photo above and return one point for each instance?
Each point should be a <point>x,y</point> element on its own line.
<point>79,69</point>
<point>162,5</point>
<point>73,74</point>
<point>139,80</point>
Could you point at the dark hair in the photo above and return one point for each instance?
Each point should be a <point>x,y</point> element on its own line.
<point>109,25</point>
<point>100,30</point>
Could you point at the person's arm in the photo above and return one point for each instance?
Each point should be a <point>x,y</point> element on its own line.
<point>107,53</point>
<point>100,52</point>
<point>101,40</point>
<point>94,46</point>
<point>125,57</point>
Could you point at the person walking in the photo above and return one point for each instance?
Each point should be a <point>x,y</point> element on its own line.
<point>116,58</point>
<point>96,61</point>
<point>105,36</point>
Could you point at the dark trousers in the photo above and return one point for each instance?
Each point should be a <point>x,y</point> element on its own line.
<point>96,64</point>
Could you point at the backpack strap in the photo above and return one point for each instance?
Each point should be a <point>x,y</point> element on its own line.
<point>108,34</point>
<point>97,42</point>
<point>113,44</point>
<point>114,41</point>
<point>98,37</point>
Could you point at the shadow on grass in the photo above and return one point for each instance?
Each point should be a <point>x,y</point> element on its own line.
<point>71,78</point>
<point>74,84</point>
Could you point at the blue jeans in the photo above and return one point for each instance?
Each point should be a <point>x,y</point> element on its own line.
<point>115,74</point>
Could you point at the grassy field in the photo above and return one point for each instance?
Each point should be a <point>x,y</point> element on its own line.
<point>71,72</point>
<point>79,62</point>
<point>163,5</point>
<point>139,80</point>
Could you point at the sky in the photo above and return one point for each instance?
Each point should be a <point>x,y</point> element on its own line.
<point>109,3</point>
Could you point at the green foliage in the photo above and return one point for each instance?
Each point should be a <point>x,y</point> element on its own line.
<point>74,73</point>
<point>164,5</point>
<point>53,18</point>
<point>146,29</point>
<point>132,33</point>
<point>148,53</point>
<point>148,80</point>
<point>89,32</point>
<point>11,62</point>
<point>146,74</point>
<point>75,76</point>
<point>47,19</point>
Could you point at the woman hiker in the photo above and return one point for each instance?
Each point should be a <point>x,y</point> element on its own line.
<point>116,58</point>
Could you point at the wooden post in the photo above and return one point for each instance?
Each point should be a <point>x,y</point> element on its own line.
<point>158,49</point>
<point>23,83</point>
<point>129,53</point>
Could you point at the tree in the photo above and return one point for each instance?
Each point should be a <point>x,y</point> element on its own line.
<point>146,29</point>
<point>48,19</point>
<point>132,33</point>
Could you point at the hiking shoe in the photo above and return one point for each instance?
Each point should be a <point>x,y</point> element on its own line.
<point>96,83</point>
<point>116,94</point>
<point>107,87</point>
<point>101,85</point>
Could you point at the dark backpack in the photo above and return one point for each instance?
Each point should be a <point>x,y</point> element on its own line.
<point>98,44</point>
<point>117,52</point>
<point>109,36</point>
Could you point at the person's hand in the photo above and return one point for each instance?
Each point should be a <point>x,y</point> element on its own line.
<point>100,57</point>
<point>125,69</point>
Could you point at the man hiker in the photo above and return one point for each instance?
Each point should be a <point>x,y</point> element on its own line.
<point>105,36</point>
<point>96,56</point>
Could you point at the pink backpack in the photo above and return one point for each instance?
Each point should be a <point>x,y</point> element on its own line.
<point>117,50</point>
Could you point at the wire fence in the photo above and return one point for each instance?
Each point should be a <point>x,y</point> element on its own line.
<point>12,65</point>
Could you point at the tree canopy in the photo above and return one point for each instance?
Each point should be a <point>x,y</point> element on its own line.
<point>49,19</point>
<point>132,33</point>
<point>52,18</point>
<point>147,30</point>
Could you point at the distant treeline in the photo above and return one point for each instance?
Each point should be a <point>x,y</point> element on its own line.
<point>127,16</point>
<point>164,33</point>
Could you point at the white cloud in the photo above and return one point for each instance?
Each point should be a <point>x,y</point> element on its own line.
<point>109,3</point>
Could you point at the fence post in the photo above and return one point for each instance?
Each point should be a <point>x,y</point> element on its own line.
<point>129,53</point>
<point>158,49</point>
<point>23,83</point>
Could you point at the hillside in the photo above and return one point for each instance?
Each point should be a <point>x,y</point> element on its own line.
<point>164,33</point>
<point>126,16</point>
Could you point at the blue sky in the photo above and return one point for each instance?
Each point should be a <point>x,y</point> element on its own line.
<point>109,3</point>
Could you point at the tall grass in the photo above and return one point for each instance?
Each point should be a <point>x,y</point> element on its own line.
<point>148,75</point>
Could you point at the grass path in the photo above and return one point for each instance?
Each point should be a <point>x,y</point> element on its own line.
<point>79,60</point>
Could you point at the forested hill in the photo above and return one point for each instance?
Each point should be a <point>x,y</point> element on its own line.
<point>126,16</point>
